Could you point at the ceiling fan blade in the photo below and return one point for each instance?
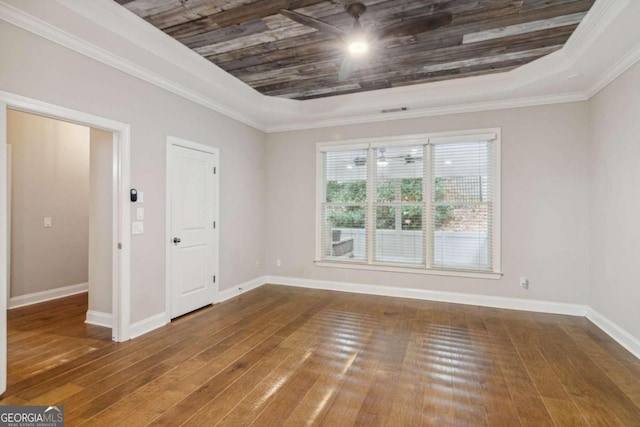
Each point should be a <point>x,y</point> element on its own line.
<point>347,67</point>
<point>415,26</point>
<point>314,23</point>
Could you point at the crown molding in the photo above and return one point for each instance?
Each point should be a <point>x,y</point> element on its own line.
<point>435,111</point>
<point>43,29</point>
<point>140,32</point>
<point>599,18</point>
<point>616,70</point>
<point>525,86</point>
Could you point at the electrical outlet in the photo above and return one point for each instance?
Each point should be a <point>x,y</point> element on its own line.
<point>524,282</point>
<point>258,263</point>
<point>278,263</point>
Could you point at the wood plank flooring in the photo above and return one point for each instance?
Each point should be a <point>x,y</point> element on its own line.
<point>288,356</point>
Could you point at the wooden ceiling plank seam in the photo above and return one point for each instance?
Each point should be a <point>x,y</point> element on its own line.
<point>426,80</point>
<point>254,39</point>
<point>447,75</point>
<point>527,27</point>
<point>256,10</point>
<point>528,5</point>
<point>264,48</point>
<point>508,20</point>
<point>542,51</point>
<point>193,10</point>
<point>145,8</point>
<point>225,34</point>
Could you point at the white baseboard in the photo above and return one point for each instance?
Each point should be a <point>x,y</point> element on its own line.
<point>159,320</point>
<point>242,288</point>
<point>147,325</point>
<point>48,295</point>
<point>99,318</point>
<point>623,337</point>
<point>452,297</point>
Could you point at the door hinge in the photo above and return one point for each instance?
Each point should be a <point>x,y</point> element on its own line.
<point>214,170</point>
<point>214,224</point>
<point>214,279</point>
<point>119,245</point>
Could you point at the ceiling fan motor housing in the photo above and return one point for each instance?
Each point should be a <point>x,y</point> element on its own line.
<point>356,9</point>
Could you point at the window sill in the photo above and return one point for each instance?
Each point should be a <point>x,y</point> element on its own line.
<point>413,270</point>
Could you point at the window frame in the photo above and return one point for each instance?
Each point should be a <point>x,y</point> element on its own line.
<point>492,134</point>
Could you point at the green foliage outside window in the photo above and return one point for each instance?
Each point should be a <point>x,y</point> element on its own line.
<point>347,192</point>
<point>356,192</point>
<point>443,213</point>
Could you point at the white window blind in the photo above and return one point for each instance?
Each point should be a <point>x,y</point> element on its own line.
<point>399,205</point>
<point>344,205</point>
<point>428,203</point>
<point>462,205</point>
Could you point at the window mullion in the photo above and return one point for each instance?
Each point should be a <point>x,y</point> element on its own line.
<point>371,189</point>
<point>427,235</point>
<point>397,210</point>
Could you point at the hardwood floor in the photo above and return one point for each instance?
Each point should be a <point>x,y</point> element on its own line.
<point>288,356</point>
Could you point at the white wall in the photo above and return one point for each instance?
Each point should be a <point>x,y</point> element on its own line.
<point>100,221</point>
<point>545,179</point>
<point>50,168</point>
<point>34,67</point>
<point>615,203</point>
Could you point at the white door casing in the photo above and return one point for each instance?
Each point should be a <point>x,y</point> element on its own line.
<point>121,238</point>
<point>4,246</point>
<point>192,202</point>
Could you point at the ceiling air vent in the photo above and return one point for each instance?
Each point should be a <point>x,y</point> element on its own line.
<point>394,110</point>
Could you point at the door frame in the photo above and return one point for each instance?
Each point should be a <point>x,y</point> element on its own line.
<point>121,255</point>
<point>180,142</point>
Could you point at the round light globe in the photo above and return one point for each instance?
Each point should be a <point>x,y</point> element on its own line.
<point>358,48</point>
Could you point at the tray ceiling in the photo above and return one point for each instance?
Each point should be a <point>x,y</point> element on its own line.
<point>279,57</point>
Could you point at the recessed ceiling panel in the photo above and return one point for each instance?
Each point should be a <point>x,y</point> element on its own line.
<point>279,56</point>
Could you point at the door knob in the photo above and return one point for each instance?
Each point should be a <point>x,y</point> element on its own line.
<point>176,240</point>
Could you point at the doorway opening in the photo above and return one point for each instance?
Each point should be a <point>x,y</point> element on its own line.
<point>60,213</point>
<point>113,138</point>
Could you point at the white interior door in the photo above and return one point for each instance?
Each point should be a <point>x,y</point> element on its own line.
<point>193,203</point>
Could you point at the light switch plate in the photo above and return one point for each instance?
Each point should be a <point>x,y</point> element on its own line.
<point>137,227</point>
<point>48,222</point>
<point>140,214</point>
<point>140,197</point>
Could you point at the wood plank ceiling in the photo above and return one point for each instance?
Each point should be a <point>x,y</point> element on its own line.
<point>251,40</point>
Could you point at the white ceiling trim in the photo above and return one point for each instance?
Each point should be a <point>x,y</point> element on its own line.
<point>435,111</point>
<point>615,71</point>
<point>270,114</point>
<point>37,26</point>
<point>600,16</point>
<point>140,32</point>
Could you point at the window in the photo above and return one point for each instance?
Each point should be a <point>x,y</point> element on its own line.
<point>428,203</point>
